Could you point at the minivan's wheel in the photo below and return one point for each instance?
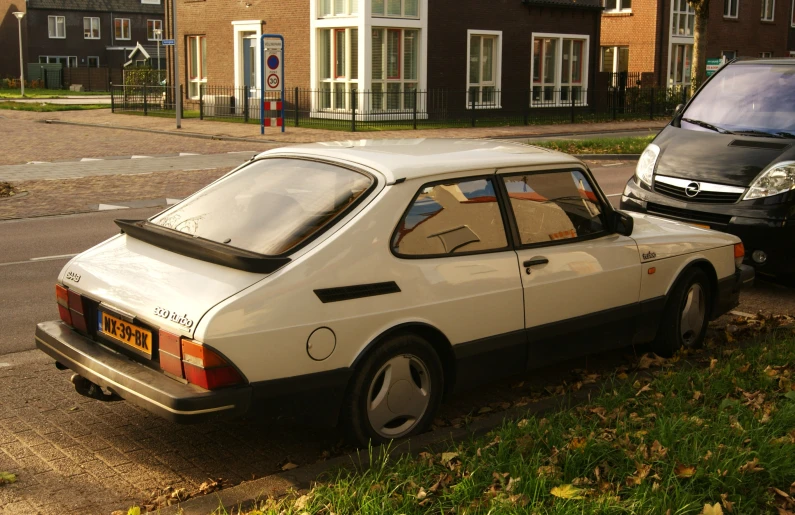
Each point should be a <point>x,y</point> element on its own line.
<point>395,391</point>
<point>684,321</point>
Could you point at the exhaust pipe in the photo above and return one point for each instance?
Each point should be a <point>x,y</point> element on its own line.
<point>92,390</point>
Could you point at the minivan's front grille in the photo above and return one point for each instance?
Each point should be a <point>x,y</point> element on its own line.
<point>687,214</point>
<point>707,197</point>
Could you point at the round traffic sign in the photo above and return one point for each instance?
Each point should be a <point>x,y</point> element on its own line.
<point>273,80</point>
<point>273,62</point>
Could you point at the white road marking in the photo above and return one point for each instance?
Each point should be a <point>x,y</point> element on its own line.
<point>141,157</point>
<point>89,159</point>
<point>181,154</point>
<point>37,162</point>
<point>48,258</point>
<point>243,152</point>
<point>612,164</point>
<point>172,201</point>
<point>110,207</point>
<point>615,195</point>
<point>4,365</point>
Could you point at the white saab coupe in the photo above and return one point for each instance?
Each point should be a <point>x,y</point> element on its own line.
<point>362,281</point>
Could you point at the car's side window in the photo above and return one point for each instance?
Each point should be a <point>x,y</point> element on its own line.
<point>554,206</point>
<point>454,217</point>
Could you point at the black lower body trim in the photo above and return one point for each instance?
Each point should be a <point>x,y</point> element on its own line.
<point>487,359</point>
<point>727,296</point>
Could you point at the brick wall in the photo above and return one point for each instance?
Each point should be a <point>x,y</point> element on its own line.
<point>447,38</point>
<point>747,34</point>
<point>637,30</point>
<point>9,37</point>
<point>213,18</point>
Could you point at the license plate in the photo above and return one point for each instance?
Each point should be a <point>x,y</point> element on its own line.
<point>129,334</point>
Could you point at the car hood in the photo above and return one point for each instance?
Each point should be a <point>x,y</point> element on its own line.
<point>720,158</point>
<point>138,278</point>
<point>660,238</point>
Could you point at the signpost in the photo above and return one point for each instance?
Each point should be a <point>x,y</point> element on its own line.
<point>167,42</point>
<point>713,65</point>
<point>272,80</point>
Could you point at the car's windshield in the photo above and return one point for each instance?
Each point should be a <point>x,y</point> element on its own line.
<point>746,98</point>
<point>270,206</point>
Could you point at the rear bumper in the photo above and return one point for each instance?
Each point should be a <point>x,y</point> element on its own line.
<point>728,295</point>
<point>136,383</point>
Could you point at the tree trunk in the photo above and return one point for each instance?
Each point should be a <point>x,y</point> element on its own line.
<point>698,70</point>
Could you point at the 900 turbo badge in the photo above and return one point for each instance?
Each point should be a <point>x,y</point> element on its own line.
<point>174,317</point>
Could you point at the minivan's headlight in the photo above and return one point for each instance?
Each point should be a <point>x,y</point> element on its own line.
<point>779,178</point>
<point>645,168</point>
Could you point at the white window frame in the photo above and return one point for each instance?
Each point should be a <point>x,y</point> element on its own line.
<point>56,19</point>
<point>690,19</point>
<point>726,57</point>
<point>384,13</point>
<point>402,81</point>
<point>672,65</point>
<point>88,61</point>
<point>792,20</point>
<point>772,10</point>
<point>344,82</point>
<point>616,57</point>
<point>766,55</point>
<point>70,59</point>
<point>619,7</point>
<point>727,12</point>
<point>557,86</point>
<point>129,31</point>
<point>91,24</point>
<point>496,81</point>
<point>349,8</point>
<point>191,42</point>
<point>156,24</point>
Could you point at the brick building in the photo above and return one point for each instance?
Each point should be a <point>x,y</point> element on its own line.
<point>657,35</point>
<point>77,33</point>
<point>468,48</point>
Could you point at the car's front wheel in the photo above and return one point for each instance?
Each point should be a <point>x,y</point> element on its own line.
<point>395,392</point>
<point>686,316</point>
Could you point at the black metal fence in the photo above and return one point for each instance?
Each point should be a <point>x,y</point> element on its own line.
<point>336,107</point>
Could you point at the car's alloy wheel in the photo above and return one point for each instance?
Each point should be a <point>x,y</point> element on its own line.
<point>686,315</point>
<point>395,391</point>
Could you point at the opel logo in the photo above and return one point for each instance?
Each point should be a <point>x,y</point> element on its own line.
<point>692,189</point>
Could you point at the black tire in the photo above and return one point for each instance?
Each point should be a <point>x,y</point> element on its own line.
<point>369,378</point>
<point>672,335</point>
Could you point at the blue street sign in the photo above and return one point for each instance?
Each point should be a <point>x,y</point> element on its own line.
<point>167,42</point>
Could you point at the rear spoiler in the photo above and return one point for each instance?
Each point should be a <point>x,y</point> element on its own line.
<point>201,248</point>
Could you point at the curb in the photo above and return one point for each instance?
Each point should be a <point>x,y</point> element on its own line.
<point>570,133</point>
<point>172,133</point>
<point>276,485</point>
<point>607,157</point>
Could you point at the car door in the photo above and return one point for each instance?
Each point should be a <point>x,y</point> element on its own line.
<point>581,282</point>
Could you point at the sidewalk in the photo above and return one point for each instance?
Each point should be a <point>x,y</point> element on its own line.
<point>65,100</point>
<point>251,132</point>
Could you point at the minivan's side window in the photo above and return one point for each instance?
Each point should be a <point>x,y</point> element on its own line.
<point>455,217</point>
<point>554,206</point>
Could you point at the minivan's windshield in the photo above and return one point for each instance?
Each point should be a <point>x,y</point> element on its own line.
<point>269,206</point>
<point>755,99</point>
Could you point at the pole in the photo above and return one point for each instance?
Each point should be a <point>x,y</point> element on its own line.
<point>21,60</point>
<point>177,87</point>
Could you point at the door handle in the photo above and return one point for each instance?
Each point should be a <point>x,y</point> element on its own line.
<point>536,261</point>
<point>532,262</point>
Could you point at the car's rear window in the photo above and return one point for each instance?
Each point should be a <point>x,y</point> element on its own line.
<point>756,97</point>
<point>269,206</point>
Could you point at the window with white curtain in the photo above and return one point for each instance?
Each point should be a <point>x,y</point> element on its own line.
<point>684,19</point>
<point>483,81</point>
<point>197,64</point>
<point>731,8</point>
<point>338,66</point>
<point>90,28</point>
<point>681,62</point>
<point>396,8</point>
<point>768,10</point>
<point>395,68</point>
<point>338,8</point>
<point>57,27</point>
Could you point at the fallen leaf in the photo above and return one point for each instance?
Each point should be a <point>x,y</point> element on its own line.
<point>712,364</point>
<point>644,389</point>
<point>300,503</point>
<point>684,471</point>
<point>289,466</point>
<point>567,492</point>
<point>422,494</point>
<point>715,509</point>
<point>751,466</point>
<point>447,457</point>
<point>697,395</point>
<point>743,369</point>
<point>7,477</point>
<point>134,510</point>
<point>577,443</point>
<point>484,409</point>
<point>512,483</point>
<point>524,422</point>
<point>650,359</point>
<point>724,499</point>
<point>790,395</point>
<point>622,376</point>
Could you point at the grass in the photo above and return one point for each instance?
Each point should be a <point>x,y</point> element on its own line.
<point>48,93</point>
<point>48,108</point>
<point>714,438</point>
<point>630,145</point>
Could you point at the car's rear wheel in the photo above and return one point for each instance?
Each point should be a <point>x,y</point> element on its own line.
<point>395,392</point>
<point>686,316</point>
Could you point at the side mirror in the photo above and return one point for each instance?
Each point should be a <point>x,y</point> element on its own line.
<point>679,109</point>
<point>622,223</point>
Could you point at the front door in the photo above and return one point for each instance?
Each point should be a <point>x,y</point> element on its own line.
<point>250,62</point>
<point>581,282</point>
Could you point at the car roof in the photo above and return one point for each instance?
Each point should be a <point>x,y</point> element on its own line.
<point>415,158</point>
<point>763,60</point>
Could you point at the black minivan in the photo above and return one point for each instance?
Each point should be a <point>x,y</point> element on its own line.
<point>727,161</point>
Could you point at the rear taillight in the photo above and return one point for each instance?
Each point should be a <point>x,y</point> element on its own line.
<point>205,368</point>
<point>70,308</point>
<point>171,353</point>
